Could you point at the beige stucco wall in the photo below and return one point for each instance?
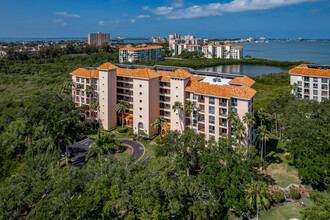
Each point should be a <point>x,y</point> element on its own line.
<point>242,108</point>
<point>145,104</point>
<point>107,98</point>
<point>178,94</point>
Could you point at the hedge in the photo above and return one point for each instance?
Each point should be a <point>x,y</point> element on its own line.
<point>122,130</point>
<point>279,197</point>
<point>294,193</point>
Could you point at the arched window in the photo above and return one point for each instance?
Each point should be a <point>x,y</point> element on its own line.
<point>140,126</point>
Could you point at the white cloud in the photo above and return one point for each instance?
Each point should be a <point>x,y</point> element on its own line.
<point>216,9</point>
<point>143,16</point>
<point>163,10</point>
<point>67,15</point>
<point>60,21</point>
<point>177,3</point>
<point>116,21</point>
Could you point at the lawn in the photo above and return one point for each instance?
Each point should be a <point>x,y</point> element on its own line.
<point>278,166</point>
<point>288,211</point>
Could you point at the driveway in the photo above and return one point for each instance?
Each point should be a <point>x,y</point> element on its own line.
<point>138,148</point>
<point>79,150</point>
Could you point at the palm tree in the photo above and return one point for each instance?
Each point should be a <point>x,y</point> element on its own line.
<point>159,124</point>
<point>240,132</point>
<point>249,119</point>
<point>264,136</point>
<point>120,108</point>
<point>95,104</point>
<point>276,117</point>
<point>262,114</point>
<point>79,87</point>
<point>89,90</point>
<point>177,106</point>
<point>233,120</point>
<point>257,196</point>
<point>104,144</point>
<point>189,107</point>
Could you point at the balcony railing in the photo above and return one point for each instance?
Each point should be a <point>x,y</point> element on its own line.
<point>201,100</point>
<point>223,104</point>
<point>224,124</point>
<point>223,113</point>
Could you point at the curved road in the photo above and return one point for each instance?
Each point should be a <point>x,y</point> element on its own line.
<point>79,150</point>
<point>138,148</point>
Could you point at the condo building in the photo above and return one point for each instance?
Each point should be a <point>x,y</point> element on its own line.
<point>209,51</point>
<point>98,38</point>
<point>150,92</point>
<point>129,54</point>
<point>312,81</point>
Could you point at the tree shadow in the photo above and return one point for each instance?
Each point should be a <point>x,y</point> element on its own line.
<point>270,180</point>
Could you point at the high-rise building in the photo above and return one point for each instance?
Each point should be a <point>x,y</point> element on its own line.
<point>312,81</point>
<point>150,93</point>
<point>98,38</point>
<point>209,51</point>
<point>129,54</point>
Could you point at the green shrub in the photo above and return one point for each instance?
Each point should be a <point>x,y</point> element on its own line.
<point>279,197</point>
<point>112,129</point>
<point>158,141</point>
<point>294,193</point>
<point>122,130</point>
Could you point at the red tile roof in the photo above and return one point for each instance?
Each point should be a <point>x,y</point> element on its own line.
<point>304,70</point>
<point>243,81</point>
<point>107,66</point>
<point>141,48</point>
<point>86,72</point>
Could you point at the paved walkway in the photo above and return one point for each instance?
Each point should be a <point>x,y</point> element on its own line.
<point>79,150</point>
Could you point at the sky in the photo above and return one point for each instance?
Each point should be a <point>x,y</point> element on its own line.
<point>309,19</point>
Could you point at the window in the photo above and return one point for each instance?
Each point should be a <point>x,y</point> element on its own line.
<point>233,101</point>
<point>306,90</point>
<point>140,85</point>
<point>314,92</point>
<point>211,119</point>
<point>82,100</point>
<point>211,100</point>
<point>140,93</point>
<point>306,85</point>
<point>87,80</point>
<point>324,80</point>
<point>140,101</point>
<point>140,108</point>
<point>82,93</point>
<point>95,87</point>
<point>77,92</point>
<point>95,81</point>
<point>211,137</point>
<point>324,86</point>
<point>77,79</point>
<point>306,78</point>
<point>82,80</point>
<point>299,83</point>
<point>177,87</point>
<point>140,116</point>
<point>315,85</point>
<point>211,129</point>
<point>194,97</point>
<point>314,79</point>
<point>315,98</point>
<point>87,101</point>
<point>211,109</point>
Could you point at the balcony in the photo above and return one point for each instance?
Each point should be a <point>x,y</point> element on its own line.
<point>201,100</point>
<point>201,128</point>
<point>224,114</point>
<point>224,104</point>
<point>164,99</point>
<point>223,124</point>
<point>201,119</point>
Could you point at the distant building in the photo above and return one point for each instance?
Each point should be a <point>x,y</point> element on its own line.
<point>189,39</point>
<point>159,40</point>
<point>313,81</point>
<point>98,38</point>
<point>210,51</point>
<point>142,52</point>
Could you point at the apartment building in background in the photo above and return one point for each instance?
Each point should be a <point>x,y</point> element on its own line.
<point>159,40</point>
<point>98,38</point>
<point>129,54</point>
<point>209,51</point>
<point>312,81</point>
<point>150,92</point>
<point>189,39</point>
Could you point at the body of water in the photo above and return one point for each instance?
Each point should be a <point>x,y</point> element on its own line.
<point>311,51</point>
<point>249,70</point>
